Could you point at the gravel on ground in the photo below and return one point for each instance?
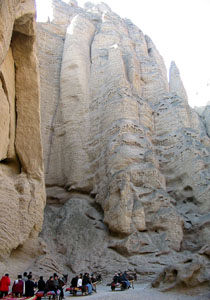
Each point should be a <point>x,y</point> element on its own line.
<point>140,292</point>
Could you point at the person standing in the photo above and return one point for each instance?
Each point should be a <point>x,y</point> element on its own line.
<point>25,276</point>
<point>30,285</point>
<point>58,286</point>
<point>50,285</point>
<point>41,284</point>
<point>17,288</point>
<point>4,285</point>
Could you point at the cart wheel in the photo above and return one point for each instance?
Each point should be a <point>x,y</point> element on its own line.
<point>113,288</point>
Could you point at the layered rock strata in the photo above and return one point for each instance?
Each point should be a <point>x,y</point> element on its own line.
<point>22,192</point>
<point>126,158</point>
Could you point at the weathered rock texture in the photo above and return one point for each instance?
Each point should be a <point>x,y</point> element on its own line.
<point>188,273</point>
<point>126,158</point>
<point>22,193</point>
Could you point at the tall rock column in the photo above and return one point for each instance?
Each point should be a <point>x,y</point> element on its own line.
<point>182,147</point>
<point>74,103</point>
<point>22,189</point>
<point>121,149</point>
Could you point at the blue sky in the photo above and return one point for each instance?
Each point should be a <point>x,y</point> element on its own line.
<point>180,30</point>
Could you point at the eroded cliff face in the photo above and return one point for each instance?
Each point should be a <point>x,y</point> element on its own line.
<point>126,158</point>
<point>22,191</point>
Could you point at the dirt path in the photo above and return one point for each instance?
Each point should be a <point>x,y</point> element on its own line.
<point>140,292</point>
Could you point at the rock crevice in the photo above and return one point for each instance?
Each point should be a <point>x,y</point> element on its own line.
<point>21,163</point>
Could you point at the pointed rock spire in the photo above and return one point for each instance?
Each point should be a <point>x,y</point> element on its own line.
<point>175,82</point>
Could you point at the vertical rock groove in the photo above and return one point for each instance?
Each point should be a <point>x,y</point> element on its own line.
<point>22,189</point>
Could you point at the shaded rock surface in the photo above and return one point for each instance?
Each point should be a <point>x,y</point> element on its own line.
<point>22,191</point>
<point>189,273</point>
<point>126,158</point>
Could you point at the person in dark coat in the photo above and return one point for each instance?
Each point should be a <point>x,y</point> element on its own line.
<point>121,280</point>
<point>115,278</point>
<point>30,285</point>
<point>86,282</point>
<point>74,281</point>
<point>50,285</point>
<point>41,284</point>
<point>4,285</point>
<point>125,279</point>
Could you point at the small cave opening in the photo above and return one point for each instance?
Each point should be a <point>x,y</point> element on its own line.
<point>187,261</point>
<point>188,188</point>
<point>10,166</point>
<point>5,161</point>
<point>149,50</point>
<point>99,208</point>
<point>191,199</point>
<point>175,272</point>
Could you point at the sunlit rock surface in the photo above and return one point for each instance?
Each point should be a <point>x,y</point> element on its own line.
<point>22,192</point>
<point>126,158</point>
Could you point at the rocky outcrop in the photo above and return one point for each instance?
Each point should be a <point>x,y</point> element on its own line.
<point>204,113</point>
<point>22,190</point>
<point>126,158</point>
<point>189,273</point>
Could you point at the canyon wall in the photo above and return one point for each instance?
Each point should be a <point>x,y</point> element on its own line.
<point>22,190</point>
<point>126,158</point>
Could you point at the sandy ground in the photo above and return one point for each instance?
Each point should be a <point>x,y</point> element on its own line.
<point>140,292</point>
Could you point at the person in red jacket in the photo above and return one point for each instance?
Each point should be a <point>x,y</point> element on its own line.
<point>4,285</point>
<point>17,288</point>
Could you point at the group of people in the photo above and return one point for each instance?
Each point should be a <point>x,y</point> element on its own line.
<point>85,282</point>
<point>26,286</point>
<point>54,285</point>
<point>121,278</point>
<point>23,285</point>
